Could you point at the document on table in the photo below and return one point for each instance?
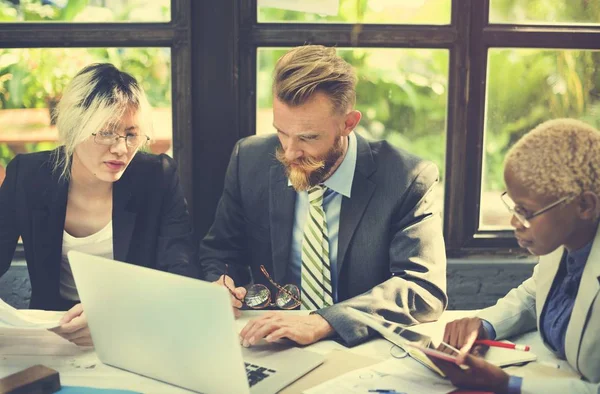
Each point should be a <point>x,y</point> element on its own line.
<point>14,318</point>
<point>405,376</point>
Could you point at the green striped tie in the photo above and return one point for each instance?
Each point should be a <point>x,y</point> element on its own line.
<point>316,270</point>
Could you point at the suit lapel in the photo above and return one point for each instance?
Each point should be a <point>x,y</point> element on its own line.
<point>123,217</point>
<point>282,200</point>
<point>588,291</point>
<point>354,207</point>
<point>48,223</point>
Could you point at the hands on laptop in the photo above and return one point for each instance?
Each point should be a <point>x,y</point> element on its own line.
<point>273,326</point>
<point>74,328</point>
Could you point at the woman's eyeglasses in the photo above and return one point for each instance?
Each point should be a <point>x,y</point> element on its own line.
<point>525,218</point>
<point>109,138</point>
<point>259,296</point>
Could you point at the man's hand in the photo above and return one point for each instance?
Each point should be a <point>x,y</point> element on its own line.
<point>478,374</point>
<point>273,326</point>
<point>462,334</point>
<point>237,293</point>
<point>74,328</point>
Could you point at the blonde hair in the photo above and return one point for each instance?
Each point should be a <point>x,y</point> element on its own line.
<point>97,97</point>
<point>558,158</point>
<point>308,69</point>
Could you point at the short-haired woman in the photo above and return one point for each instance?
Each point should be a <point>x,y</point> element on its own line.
<point>96,193</point>
<point>552,177</point>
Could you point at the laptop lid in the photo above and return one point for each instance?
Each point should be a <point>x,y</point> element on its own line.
<point>160,325</point>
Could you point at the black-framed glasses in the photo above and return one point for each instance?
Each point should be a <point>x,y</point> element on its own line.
<point>258,296</point>
<point>131,140</point>
<point>525,218</point>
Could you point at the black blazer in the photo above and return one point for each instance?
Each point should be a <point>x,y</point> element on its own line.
<point>151,224</point>
<point>391,255</point>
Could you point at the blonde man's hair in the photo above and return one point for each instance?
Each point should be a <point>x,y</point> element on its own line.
<point>97,97</point>
<point>558,158</point>
<point>309,69</point>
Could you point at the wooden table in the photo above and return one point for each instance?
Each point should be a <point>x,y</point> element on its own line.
<point>20,349</point>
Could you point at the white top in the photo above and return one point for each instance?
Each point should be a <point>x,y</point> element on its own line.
<point>98,244</point>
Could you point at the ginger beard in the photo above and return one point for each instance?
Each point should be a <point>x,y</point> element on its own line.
<point>310,171</point>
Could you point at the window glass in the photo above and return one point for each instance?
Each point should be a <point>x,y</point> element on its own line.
<point>359,11</point>
<point>526,87</point>
<point>85,11</point>
<point>545,11</point>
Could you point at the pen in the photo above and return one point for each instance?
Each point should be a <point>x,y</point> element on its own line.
<point>392,391</point>
<point>514,346</point>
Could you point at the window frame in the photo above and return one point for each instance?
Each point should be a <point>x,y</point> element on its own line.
<point>485,36</point>
<point>468,38</point>
<point>213,71</point>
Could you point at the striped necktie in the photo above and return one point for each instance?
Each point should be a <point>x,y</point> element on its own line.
<point>316,270</point>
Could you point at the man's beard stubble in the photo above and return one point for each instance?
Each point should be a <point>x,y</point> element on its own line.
<point>310,171</point>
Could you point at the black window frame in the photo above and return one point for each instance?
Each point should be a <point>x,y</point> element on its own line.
<point>468,38</point>
<point>213,54</point>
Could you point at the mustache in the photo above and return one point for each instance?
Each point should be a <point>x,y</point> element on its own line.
<point>305,164</point>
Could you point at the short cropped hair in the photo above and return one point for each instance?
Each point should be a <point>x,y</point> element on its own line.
<point>559,158</point>
<point>308,69</point>
<point>97,97</point>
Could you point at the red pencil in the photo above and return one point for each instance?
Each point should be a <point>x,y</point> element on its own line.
<point>489,342</point>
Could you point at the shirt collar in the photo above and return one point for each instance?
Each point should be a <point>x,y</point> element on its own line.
<point>576,259</point>
<point>341,180</point>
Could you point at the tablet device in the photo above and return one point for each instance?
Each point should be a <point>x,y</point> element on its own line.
<point>416,345</point>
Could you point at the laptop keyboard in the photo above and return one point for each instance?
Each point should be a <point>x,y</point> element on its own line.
<point>257,373</point>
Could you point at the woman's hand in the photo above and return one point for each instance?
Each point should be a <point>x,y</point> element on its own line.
<point>74,328</point>
<point>462,334</point>
<point>477,375</point>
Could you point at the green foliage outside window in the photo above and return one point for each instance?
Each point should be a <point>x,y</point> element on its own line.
<point>402,93</point>
<point>404,101</point>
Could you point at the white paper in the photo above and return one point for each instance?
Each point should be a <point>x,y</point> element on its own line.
<point>324,7</point>
<point>14,318</point>
<point>405,376</point>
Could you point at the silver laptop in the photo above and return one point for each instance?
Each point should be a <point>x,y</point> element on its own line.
<point>177,330</point>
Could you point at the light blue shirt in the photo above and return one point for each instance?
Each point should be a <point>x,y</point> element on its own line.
<point>339,185</point>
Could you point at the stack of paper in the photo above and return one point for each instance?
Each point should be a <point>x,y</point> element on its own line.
<point>14,318</point>
<point>391,375</point>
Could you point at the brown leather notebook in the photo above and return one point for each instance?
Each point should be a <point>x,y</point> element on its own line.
<point>33,380</point>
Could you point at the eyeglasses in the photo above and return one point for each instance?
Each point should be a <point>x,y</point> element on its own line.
<point>109,138</point>
<point>525,218</point>
<point>259,296</point>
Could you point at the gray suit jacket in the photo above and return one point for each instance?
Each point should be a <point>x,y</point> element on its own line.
<point>391,254</point>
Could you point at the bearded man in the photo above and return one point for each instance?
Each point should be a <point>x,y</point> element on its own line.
<point>318,218</point>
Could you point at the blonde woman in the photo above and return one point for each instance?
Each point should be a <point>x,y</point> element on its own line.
<point>552,177</point>
<point>96,193</point>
